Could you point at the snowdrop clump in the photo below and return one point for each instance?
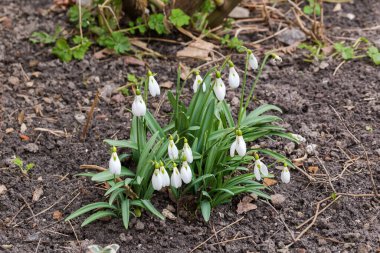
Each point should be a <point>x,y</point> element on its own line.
<point>203,150</point>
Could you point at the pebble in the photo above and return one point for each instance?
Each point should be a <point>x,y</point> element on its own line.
<point>31,147</point>
<point>235,101</point>
<point>311,149</point>
<point>14,80</point>
<point>3,189</point>
<point>80,117</point>
<point>139,225</point>
<point>277,199</point>
<point>125,238</point>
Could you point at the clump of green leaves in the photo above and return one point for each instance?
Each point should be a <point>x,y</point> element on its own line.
<point>116,41</point>
<point>25,168</point>
<point>374,54</point>
<point>88,19</point>
<point>233,43</point>
<point>66,53</point>
<point>358,50</point>
<point>156,23</point>
<point>311,7</point>
<point>45,38</point>
<point>315,52</point>
<point>178,18</point>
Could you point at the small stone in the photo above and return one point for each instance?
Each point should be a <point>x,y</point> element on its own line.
<point>33,237</point>
<point>311,149</point>
<point>29,84</point>
<point>170,208</point>
<point>125,238</point>
<point>235,101</point>
<point>350,16</point>
<point>31,147</point>
<point>300,214</point>
<point>323,65</point>
<point>239,12</point>
<point>168,214</point>
<point>23,128</point>
<point>10,130</point>
<point>353,235</point>
<point>39,178</point>
<point>291,36</point>
<point>80,117</point>
<point>139,225</point>
<point>14,80</point>
<point>289,148</point>
<point>118,98</point>
<point>3,189</point>
<point>277,199</point>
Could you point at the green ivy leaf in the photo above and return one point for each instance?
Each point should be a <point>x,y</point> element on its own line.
<point>178,18</point>
<point>156,23</point>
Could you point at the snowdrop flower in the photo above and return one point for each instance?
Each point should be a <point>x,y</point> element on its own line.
<point>157,180</point>
<point>252,61</point>
<point>164,175</point>
<point>219,87</point>
<point>175,179</point>
<point>300,138</point>
<point>276,59</point>
<point>172,149</point>
<point>186,173</point>
<point>197,82</point>
<point>238,145</point>
<point>138,105</point>
<point>114,164</point>
<point>260,168</point>
<point>233,77</point>
<point>187,152</point>
<point>285,175</point>
<point>154,88</point>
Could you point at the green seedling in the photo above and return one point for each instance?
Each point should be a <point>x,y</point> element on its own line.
<point>20,164</point>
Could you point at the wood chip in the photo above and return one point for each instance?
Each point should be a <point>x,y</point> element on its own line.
<point>9,130</point>
<point>21,117</point>
<point>57,215</point>
<point>37,194</point>
<point>313,169</point>
<point>168,214</point>
<point>23,128</point>
<point>185,71</point>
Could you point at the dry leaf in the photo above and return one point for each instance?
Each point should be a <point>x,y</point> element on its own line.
<point>269,181</point>
<point>244,207</point>
<point>23,128</point>
<point>9,130</point>
<point>7,22</point>
<point>167,84</point>
<point>247,199</point>
<point>38,110</point>
<point>199,49</point>
<point>21,117</point>
<point>102,53</point>
<point>185,71</point>
<point>57,215</point>
<point>129,60</point>
<point>37,194</point>
<point>313,169</point>
<point>168,214</point>
<point>298,163</point>
<point>338,7</point>
<point>36,74</point>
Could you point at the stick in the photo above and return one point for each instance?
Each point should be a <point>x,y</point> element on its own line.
<point>89,116</point>
<point>234,239</point>
<point>220,230</point>
<point>327,173</point>
<point>38,245</point>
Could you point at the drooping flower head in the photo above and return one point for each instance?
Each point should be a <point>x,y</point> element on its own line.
<point>114,163</point>
<point>157,180</point>
<point>175,179</point>
<point>233,77</point>
<point>164,175</point>
<point>219,87</point>
<point>252,61</point>
<point>238,146</point>
<point>172,149</point>
<point>197,82</point>
<point>260,168</point>
<point>285,174</point>
<point>187,151</point>
<point>186,173</point>
<point>154,88</point>
<point>138,105</point>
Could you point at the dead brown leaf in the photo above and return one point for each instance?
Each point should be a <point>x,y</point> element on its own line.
<point>313,169</point>
<point>7,22</point>
<point>269,181</point>
<point>167,84</point>
<point>199,49</point>
<point>102,53</point>
<point>37,194</point>
<point>129,60</point>
<point>24,137</point>
<point>168,214</point>
<point>57,215</point>
<point>21,117</point>
<point>244,207</point>
<point>185,71</point>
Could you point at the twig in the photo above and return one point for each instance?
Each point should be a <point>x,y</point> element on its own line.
<point>80,19</point>
<point>217,238</point>
<point>90,116</point>
<point>313,221</point>
<point>327,173</point>
<point>43,211</point>
<point>220,230</point>
<point>269,37</point>
<point>71,201</point>
<point>30,209</point>
<point>14,217</point>
<point>38,245</point>
<point>338,67</point>
<point>234,239</point>
<point>305,173</point>
<point>162,100</point>
<point>76,236</point>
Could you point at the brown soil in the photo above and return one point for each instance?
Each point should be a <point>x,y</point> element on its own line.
<point>311,97</point>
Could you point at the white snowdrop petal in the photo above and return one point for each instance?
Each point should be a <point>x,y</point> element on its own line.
<point>165,177</point>
<point>176,180</point>
<point>186,173</point>
<point>115,164</point>
<point>157,181</point>
<point>256,171</point>
<point>241,147</point>
<point>154,88</point>
<point>233,78</point>
<point>252,61</point>
<point>198,80</point>
<point>263,169</point>
<point>138,106</point>
<point>219,89</point>
<point>188,153</point>
<point>172,150</point>
<point>232,149</point>
<point>285,176</point>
